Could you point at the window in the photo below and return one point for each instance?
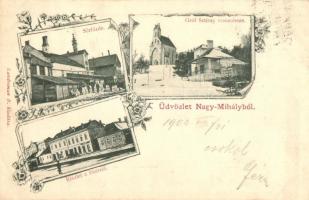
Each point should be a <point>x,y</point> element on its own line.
<point>85,135</point>
<point>64,143</point>
<point>73,141</point>
<point>50,72</point>
<point>202,68</point>
<point>69,142</point>
<point>76,139</point>
<point>81,138</point>
<point>88,147</point>
<point>56,146</point>
<point>42,70</point>
<point>33,69</point>
<point>59,144</point>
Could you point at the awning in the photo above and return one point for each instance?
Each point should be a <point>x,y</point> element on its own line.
<point>55,80</point>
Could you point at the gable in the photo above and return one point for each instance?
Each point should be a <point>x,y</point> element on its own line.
<point>166,41</point>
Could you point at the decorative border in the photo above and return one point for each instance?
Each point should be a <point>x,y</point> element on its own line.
<point>20,84</point>
<point>138,109</point>
<point>22,175</point>
<point>45,21</point>
<point>260,28</point>
<point>26,111</point>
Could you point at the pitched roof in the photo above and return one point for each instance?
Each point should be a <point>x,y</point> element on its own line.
<point>108,129</point>
<point>61,59</point>
<point>75,53</point>
<point>216,53</point>
<point>166,41</point>
<point>103,61</point>
<point>49,58</point>
<point>28,49</point>
<point>91,123</point>
<point>54,79</point>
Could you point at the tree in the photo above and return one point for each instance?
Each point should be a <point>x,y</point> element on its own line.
<point>183,63</point>
<point>141,65</point>
<point>243,53</point>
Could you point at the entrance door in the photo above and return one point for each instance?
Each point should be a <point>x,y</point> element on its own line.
<point>155,57</point>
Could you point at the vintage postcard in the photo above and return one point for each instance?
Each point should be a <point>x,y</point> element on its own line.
<point>154,100</point>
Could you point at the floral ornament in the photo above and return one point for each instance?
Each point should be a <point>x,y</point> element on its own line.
<point>20,81</point>
<point>261,29</point>
<point>137,108</point>
<point>33,113</point>
<point>20,175</point>
<point>20,84</point>
<point>22,114</point>
<point>36,186</point>
<point>47,21</point>
<point>25,19</point>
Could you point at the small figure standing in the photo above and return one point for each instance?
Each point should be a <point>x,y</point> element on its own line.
<point>59,166</point>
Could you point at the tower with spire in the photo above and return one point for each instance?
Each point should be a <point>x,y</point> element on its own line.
<point>162,49</point>
<point>157,31</point>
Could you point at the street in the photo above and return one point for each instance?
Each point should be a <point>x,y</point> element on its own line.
<point>174,86</point>
<point>75,165</point>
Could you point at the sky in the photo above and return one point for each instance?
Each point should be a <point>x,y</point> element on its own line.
<point>40,129</point>
<point>188,35</point>
<point>95,42</point>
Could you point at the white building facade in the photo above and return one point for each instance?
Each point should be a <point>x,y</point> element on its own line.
<point>74,144</point>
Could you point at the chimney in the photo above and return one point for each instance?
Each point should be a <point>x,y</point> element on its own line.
<point>27,42</point>
<point>108,52</point>
<point>45,45</point>
<point>210,44</point>
<point>74,44</point>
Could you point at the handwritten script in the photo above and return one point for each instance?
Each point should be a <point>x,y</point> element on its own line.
<point>212,125</point>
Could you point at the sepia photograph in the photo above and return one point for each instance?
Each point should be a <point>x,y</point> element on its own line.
<point>191,55</point>
<point>73,63</point>
<point>64,144</point>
